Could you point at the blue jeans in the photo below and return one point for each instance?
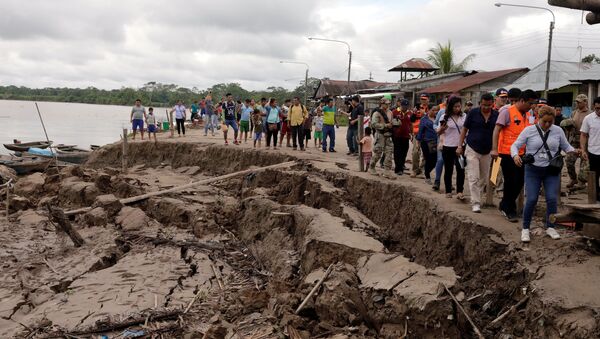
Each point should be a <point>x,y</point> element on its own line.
<point>439,166</point>
<point>233,124</point>
<point>329,130</point>
<point>351,140</point>
<point>210,121</point>
<point>534,178</point>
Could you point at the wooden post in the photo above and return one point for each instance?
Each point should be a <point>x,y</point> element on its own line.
<point>489,193</point>
<point>361,133</point>
<point>171,125</point>
<point>591,187</point>
<point>520,203</point>
<point>124,158</point>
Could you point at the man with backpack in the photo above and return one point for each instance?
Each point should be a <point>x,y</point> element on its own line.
<point>296,116</point>
<point>381,122</point>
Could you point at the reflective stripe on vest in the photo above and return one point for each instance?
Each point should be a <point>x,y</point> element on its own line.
<point>509,134</point>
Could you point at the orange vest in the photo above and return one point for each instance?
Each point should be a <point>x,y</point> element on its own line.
<point>420,113</point>
<point>509,134</point>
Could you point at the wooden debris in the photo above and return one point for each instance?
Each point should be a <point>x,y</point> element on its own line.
<point>217,276</point>
<point>459,306</point>
<point>314,289</point>
<point>410,275</point>
<point>193,300</point>
<point>509,311</point>
<point>64,225</point>
<point>131,200</point>
<point>50,266</point>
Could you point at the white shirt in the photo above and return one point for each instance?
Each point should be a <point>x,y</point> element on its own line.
<point>179,111</point>
<point>452,133</point>
<point>591,127</point>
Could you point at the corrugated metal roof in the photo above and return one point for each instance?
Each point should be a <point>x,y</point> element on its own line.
<point>562,73</point>
<point>339,87</point>
<point>414,65</point>
<point>471,80</point>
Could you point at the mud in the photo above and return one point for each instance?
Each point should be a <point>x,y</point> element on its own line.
<point>240,256</point>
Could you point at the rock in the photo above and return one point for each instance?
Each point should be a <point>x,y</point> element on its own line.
<point>47,201</point>
<point>109,203</point>
<point>460,296</point>
<point>103,182</point>
<point>193,170</point>
<point>30,185</point>
<point>18,203</point>
<point>78,192</point>
<point>172,211</point>
<point>96,217</point>
<point>33,219</point>
<point>7,173</point>
<point>131,218</point>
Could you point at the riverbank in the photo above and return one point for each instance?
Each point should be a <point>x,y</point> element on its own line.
<point>252,247</point>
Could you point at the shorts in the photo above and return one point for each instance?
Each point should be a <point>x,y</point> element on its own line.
<point>285,128</point>
<point>319,135</point>
<point>307,135</point>
<point>367,158</point>
<point>244,126</point>
<point>151,128</point>
<point>137,123</point>
<point>257,136</point>
<point>232,124</point>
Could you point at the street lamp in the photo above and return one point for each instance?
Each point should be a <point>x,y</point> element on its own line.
<point>349,56</point>
<point>547,84</point>
<point>305,77</point>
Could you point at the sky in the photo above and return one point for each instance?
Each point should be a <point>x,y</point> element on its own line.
<point>112,44</point>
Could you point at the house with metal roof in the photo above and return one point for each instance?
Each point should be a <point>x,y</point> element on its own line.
<point>335,88</point>
<point>474,85</point>
<point>567,80</point>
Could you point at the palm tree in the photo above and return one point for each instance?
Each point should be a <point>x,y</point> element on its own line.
<point>442,57</point>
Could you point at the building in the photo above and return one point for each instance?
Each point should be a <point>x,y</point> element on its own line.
<point>567,80</point>
<point>414,65</point>
<point>475,84</point>
<point>336,88</point>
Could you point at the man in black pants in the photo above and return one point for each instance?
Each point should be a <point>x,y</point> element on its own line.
<point>590,141</point>
<point>352,134</point>
<point>510,123</point>
<point>401,133</point>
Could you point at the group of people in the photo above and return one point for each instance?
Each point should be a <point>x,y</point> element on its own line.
<point>516,127</point>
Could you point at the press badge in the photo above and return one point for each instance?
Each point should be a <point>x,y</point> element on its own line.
<point>543,156</point>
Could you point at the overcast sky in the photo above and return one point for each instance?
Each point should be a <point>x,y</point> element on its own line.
<point>111,44</point>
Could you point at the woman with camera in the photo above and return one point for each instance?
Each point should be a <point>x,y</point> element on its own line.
<point>450,127</point>
<point>543,164</point>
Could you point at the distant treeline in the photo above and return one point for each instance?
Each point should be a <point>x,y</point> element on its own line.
<point>151,94</point>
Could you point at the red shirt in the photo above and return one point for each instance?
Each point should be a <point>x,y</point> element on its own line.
<point>404,130</point>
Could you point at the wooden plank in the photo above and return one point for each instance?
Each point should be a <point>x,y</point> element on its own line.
<point>591,187</point>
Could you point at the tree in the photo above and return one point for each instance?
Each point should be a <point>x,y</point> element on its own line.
<point>442,57</point>
<point>592,58</point>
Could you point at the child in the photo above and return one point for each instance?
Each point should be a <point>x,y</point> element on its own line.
<point>151,122</point>
<point>307,126</point>
<point>367,147</point>
<point>318,122</point>
<point>258,126</point>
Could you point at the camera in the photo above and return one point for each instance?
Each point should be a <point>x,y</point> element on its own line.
<point>527,159</point>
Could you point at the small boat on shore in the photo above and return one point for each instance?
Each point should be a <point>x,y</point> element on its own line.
<point>25,165</point>
<point>24,146</point>
<point>71,155</point>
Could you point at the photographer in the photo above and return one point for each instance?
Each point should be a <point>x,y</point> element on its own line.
<point>543,165</point>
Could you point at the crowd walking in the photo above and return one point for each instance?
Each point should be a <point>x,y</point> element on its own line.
<point>449,142</point>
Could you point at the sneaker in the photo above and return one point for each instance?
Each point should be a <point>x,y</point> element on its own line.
<point>436,187</point>
<point>476,208</point>
<point>226,142</point>
<point>428,181</point>
<point>552,233</point>
<point>332,150</point>
<point>400,173</point>
<point>512,217</point>
<point>525,236</point>
<point>324,151</point>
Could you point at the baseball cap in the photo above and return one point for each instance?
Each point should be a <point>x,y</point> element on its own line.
<point>404,102</point>
<point>424,96</point>
<point>469,103</point>
<point>542,102</point>
<point>384,101</point>
<point>581,97</point>
<point>501,92</point>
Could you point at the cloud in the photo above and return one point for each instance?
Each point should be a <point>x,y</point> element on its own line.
<point>110,44</point>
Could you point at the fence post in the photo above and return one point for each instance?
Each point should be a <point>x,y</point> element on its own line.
<point>124,158</point>
<point>361,133</point>
<point>591,188</point>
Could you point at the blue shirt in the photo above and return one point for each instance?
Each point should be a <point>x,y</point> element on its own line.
<point>272,115</point>
<point>479,137</point>
<point>438,118</point>
<point>246,111</point>
<point>426,130</point>
<point>533,143</point>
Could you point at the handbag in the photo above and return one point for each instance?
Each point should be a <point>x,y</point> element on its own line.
<point>557,161</point>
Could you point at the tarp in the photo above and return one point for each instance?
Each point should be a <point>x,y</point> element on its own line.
<point>39,151</point>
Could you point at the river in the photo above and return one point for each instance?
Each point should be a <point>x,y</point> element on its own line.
<point>67,123</point>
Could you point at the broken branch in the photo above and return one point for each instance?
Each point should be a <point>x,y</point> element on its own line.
<point>65,225</point>
<point>475,329</point>
<point>509,311</point>
<point>314,289</point>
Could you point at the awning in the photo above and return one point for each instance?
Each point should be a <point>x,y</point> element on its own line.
<point>377,95</point>
<point>540,86</point>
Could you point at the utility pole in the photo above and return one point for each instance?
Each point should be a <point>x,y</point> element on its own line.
<point>305,77</point>
<point>349,57</point>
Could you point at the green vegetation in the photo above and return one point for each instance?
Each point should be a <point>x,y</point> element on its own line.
<point>592,58</point>
<point>443,57</point>
<point>152,94</point>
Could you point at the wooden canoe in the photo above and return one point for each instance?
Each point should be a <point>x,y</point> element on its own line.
<point>24,146</point>
<point>25,165</point>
